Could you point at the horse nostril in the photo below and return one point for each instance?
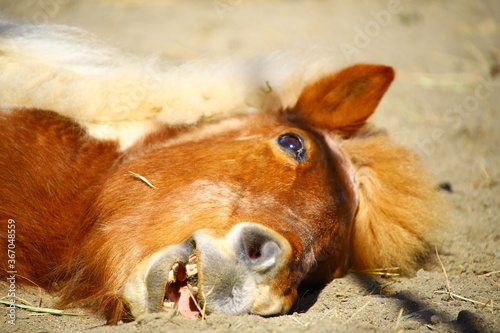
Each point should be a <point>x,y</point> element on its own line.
<point>259,250</point>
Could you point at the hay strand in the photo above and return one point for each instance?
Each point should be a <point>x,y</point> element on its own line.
<point>144,179</point>
<point>44,310</point>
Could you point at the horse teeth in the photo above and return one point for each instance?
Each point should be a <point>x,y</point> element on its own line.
<point>192,258</point>
<point>168,305</point>
<point>171,277</point>
<point>191,270</point>
<point>172,274</point>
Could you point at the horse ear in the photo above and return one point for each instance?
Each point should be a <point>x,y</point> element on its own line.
<point>343,101</point>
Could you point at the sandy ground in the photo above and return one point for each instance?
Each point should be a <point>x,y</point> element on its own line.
<point>444,104</point>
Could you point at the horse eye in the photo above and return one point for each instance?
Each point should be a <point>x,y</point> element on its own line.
<point>293,144</point>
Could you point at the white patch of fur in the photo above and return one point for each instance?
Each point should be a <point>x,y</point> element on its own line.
<point>126,133</point>
<point>68,71</point>
<point>210,130</point>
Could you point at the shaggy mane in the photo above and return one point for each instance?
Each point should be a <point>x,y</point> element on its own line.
<point>116,95</point>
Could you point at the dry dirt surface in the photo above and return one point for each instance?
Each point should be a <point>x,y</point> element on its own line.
<point>444,104</point>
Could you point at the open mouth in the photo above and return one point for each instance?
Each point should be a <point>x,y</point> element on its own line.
<point>168,280</point>
<point>233,274</point>
<point>181,291</point>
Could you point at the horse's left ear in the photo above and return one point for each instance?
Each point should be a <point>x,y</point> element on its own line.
<point>343,101</point>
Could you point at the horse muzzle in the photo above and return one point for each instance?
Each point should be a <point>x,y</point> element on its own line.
<point>245,270</point>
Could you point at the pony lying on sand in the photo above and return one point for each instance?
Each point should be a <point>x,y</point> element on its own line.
<point>216,187</point>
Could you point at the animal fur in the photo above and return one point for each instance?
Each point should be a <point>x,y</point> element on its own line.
<point>400,213</point>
